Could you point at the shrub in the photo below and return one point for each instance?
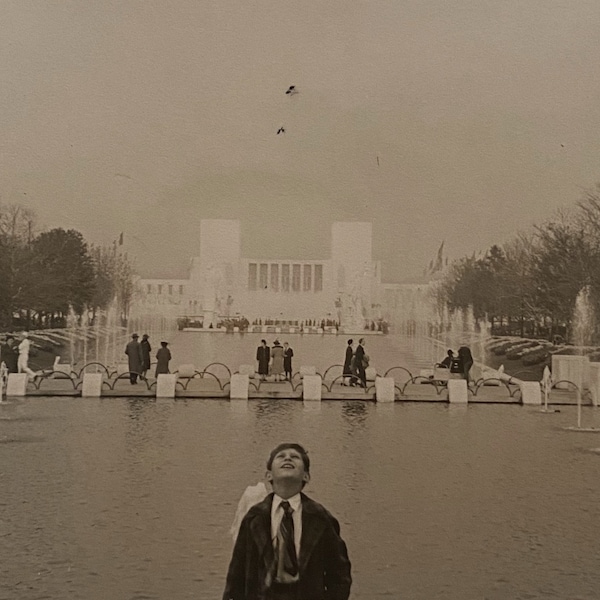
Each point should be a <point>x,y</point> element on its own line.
<point>517,351</point>
<point>537,356</point>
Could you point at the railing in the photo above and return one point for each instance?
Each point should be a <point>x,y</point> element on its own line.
<point>331,378</point>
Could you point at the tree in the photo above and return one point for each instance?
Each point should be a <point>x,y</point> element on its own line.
<point>17,226</point>
<point>64,272</point>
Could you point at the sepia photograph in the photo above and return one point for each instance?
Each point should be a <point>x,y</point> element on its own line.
<point>299,300</point>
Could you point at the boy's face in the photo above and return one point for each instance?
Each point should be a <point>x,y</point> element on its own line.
<point>288,466</point>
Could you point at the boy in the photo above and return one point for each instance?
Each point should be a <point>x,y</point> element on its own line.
<point>289,546</point>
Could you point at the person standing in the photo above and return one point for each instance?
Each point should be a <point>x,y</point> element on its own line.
<point>146,349</point>
<point>277,360</point>
<point>134,354</point>
<point>263,356</point>
<point>466,361</point>
<point>288,546</point>
<point>163,356</point>
<point>288,353</point>
<point>9,354</point>
<point>23,360</point>
<point>347,372</point>
<point>361,362</point>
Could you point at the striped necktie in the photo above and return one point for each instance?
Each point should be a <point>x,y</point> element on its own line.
<point>286,551</point>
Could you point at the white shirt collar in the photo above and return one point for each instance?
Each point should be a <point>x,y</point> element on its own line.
<point>295,501</point>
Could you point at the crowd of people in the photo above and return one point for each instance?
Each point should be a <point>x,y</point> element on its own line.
<point>138,355</point>
<point>277,362</point>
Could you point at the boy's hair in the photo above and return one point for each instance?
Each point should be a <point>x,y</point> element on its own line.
<point>350,342</point>
<point>285,446</point>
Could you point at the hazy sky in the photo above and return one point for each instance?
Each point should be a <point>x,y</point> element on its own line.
<point>147,116</point>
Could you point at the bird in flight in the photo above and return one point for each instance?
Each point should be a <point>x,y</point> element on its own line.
<point>291,90</point>
<point>280,130</point>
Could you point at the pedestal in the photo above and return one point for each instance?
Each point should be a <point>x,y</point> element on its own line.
<point>311,388</point>
<point>92,385</point>
<point>17,384</point>
<point>457,391</point>
<point>165,385</point>
<point>238,387</point>
<point>384,389</point>
<point>531,393</point>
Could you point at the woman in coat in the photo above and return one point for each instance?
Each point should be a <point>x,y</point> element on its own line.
<point>263,356</point>
<point>277,358</point>
<point>347,373</point>
<point>163,356</point>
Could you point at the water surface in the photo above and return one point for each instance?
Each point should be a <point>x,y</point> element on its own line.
<point>132,499</point>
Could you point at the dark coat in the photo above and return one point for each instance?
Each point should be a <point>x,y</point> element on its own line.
<point>466,359</point>
<point>287,360</point>
<point>146,349</point>
<point>348,362</point>
<point>163,356</point>
<point>359,365</point>
<point>263,356</point>
<point>10,356</point>
<point>134,352</point>
<point>324,567</point>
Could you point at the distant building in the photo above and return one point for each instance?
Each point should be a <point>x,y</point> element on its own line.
<point>344,287</point>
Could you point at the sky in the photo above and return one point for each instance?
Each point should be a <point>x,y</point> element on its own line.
<point>462,121</point>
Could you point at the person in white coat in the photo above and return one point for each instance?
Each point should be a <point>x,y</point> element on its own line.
<point>23,361</point>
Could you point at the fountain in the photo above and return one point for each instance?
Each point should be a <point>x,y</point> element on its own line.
<point>583,326</point>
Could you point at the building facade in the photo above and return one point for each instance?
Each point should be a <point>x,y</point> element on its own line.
<point>344,287</point>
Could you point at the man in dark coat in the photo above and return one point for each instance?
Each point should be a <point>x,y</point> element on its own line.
<point>146,349</point>
<point>134,353</point>
<point>361,362</point>
<point>263,356</point>
<point>305,559</point>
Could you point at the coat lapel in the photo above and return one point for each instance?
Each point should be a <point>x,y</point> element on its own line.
<point>312,529</point>
<point>261,530</point>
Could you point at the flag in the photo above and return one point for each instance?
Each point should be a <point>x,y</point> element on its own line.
<point>121,239</point>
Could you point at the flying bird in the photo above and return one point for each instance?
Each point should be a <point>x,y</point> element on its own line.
<point>292,90</point>
<point>280,130</point>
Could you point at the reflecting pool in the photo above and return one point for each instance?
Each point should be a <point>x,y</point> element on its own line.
<point>133,498</point>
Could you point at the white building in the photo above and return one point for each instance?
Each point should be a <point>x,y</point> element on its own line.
<point>344,287</point>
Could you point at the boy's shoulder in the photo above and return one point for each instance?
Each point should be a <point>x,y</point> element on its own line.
<point>310,505</point>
